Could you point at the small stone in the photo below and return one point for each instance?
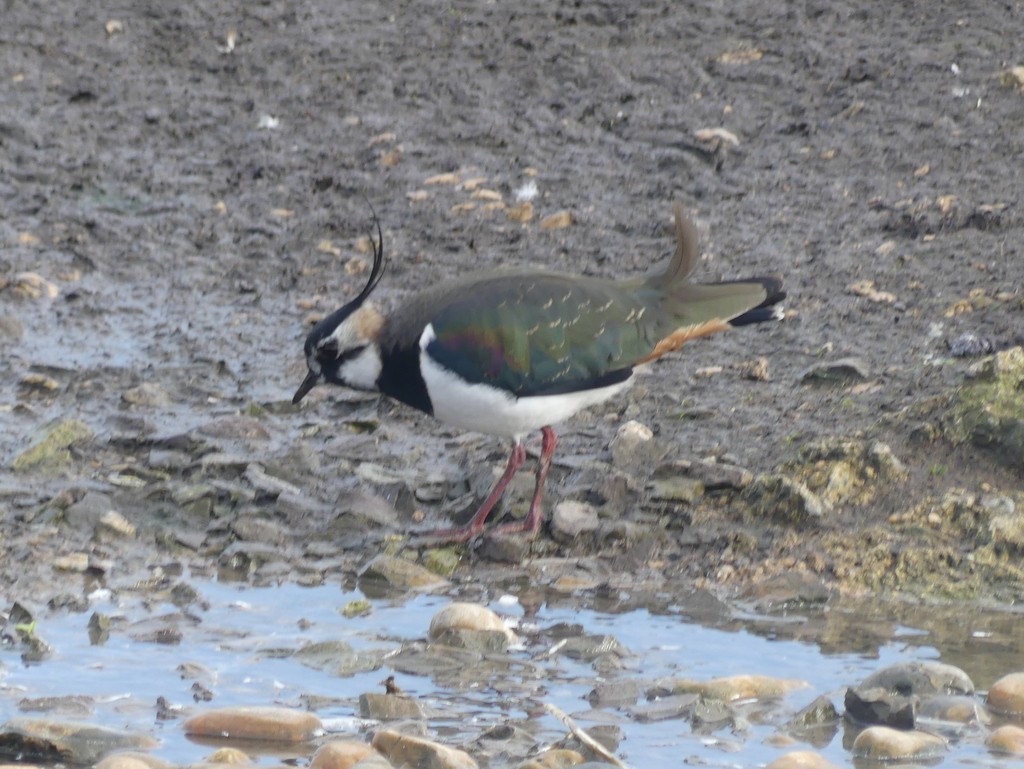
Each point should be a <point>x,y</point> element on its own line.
<point>664,708</point>
<point>616,693</point>
<point>341,754</point>
<point>572,519</point>
<point>1007,694</point>
<point>467,616</point>
<point>970,346</point>
<point>255,723</point>
<point>880,743</point>
<point>404,749</point>
<point>401,574</point>
<point>714,475</point>
<point>131,759</point>
<point>522,213</point>
<point>73,562</point>
<point>842,372</point>
<point>388,707</point>
<point>802,759</point>
<point>634,448</point>
<point>1006,739</point>
<point>556,758</point>
<point>957,709</point>
<point>442,560</point>
<point>147,395</point>
<point>228,756</point>
<point>115,523</point>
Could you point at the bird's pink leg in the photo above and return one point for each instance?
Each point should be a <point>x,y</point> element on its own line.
<point>532,521</point>
<point>476,523</point>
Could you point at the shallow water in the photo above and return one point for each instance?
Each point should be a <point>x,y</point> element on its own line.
<point>242,637</point>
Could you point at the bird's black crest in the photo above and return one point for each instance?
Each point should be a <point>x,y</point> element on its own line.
<point>379,263</point>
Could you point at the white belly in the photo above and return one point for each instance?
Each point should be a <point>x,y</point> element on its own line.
<point>485,409</point>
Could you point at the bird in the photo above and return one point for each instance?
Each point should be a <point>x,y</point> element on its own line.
<point>511,352</point>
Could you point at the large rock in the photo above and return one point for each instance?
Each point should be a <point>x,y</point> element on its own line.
<point>255,723</point>
<point>989,410</point>
<point>406,750</point>
<point>50,451</point>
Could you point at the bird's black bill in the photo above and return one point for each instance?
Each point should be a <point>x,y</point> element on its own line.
<point>307,384</point>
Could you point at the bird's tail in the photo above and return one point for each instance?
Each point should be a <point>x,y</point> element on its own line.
<point>700,309</point>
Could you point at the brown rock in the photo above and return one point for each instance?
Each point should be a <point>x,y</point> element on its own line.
<point>404,749</point>
<point>340,754</point>
<point>255,723</point>
<point>801,759</point>
<point>1007,739</point>
<point>1007,694</point>
<point>881,743</point>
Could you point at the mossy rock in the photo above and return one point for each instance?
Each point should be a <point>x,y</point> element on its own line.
<point>989,409</point>
<point>50,451</point>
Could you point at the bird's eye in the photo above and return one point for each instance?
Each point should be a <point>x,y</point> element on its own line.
<point>350,353</point>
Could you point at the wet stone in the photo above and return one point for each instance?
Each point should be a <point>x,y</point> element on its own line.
<point>715,476</point>
<point>802,759</point>
<point>882,743</point>
<point>255,723</point>
<point>710,713</point>
<point>616,694</point>
<point>1008,738</point>
<point>442,561</point>
<point>341,754</point>
<point>635,449</point>
<point>921,678</point>
<point>48,740</point>
<point>228,756</point>
<point>420,753</point>
<point>957,709</point>
<point>877,705</point>
<point>1007,694</point>
<point>133,760</point>
<point>147,395</point>
<point>664,708</point>
<point>555,758</point>
<point>401,574</point>
<point>591,647</point>
<point>388,707</point>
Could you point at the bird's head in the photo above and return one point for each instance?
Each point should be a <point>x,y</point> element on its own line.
<point>342,348</point>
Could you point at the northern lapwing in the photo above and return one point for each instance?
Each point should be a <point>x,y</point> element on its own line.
<point>510,352</point>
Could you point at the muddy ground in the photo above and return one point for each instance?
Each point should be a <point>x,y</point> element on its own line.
<point>192,185</point>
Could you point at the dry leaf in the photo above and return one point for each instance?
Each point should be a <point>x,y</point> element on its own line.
<point>717,135</point>
<point>484,194</point>
<point>743,56</point>
<point>385,138</point>
<point>448,178</point>
<point>521,213</point>
<point>472,184</point>
<point>28,239</point>
<point>114,27</point>
<point>462,208</point>
<point>417,196</point>
<point>922,170</point>
<point>355,266</point>
<point>391,157</point>
<point>282,213</point>
<point>959,308</point>
<point>220,207</point>
<point>556,221</point>
<point>708,371</point>
<point>328,248</point>
<point>1013,77</point>
<point>866,289</point>
<point>946,203</point>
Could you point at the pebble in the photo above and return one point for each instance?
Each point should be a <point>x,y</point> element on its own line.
<point>572,519</point>
<point>714,475</point>
<point>125,761</point>
<point>402,574</point>
<point>555,758</point>
<point>802,759</point>
<point>1006,739</point>
<point>1007,694</point>
<point>228,756</point>
<point>255,723</point>
<point>663,708</point>
<point>634,447</point>
<point>147,395</point>
<point>419,753</point>
<point>341,754</point>
<point>957,709</point>
<point>468,616</point>
<point>881,743</point>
